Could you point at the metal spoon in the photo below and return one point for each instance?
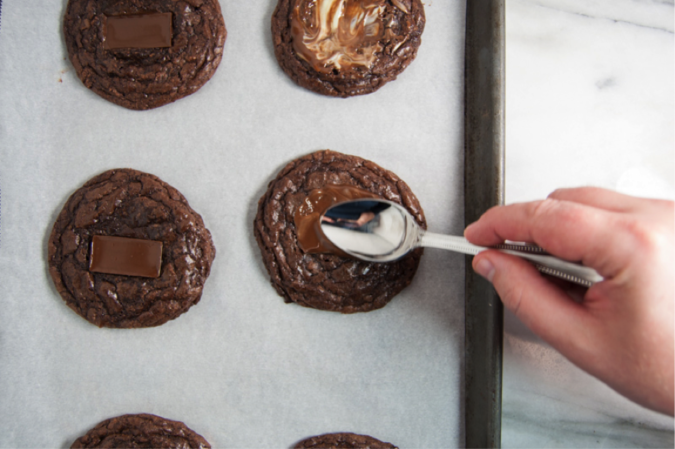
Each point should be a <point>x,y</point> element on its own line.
<point>381,231</point>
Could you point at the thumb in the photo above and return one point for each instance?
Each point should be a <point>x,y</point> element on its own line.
<point>542,306</point>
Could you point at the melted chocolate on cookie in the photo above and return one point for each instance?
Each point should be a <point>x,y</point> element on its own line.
<point>329,281</point>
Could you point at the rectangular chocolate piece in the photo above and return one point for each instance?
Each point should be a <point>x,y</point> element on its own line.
<point>121,255</point>
<point>138,31</point>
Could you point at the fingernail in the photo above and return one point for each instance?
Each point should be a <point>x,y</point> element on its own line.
<point>468,227</point>
<point>485,269</point>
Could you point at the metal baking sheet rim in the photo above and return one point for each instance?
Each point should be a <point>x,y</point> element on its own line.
<point>483,188</point>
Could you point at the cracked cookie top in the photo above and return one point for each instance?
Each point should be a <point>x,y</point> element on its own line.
<point>130,204</point>
<point>142,54</point>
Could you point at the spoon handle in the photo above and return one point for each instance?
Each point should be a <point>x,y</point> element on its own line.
<point>550,265</point>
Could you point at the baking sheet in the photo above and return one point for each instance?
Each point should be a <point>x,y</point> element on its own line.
<point>241,368</point>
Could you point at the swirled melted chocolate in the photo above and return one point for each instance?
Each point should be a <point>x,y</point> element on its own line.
<point>337,34</point>
<point>343,48</point>
<point>308,216</point>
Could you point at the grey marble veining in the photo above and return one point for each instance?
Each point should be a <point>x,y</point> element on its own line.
<point>589,102</point>
<point>614,433</point>
<point>653,14</point>
<point>550,403</point>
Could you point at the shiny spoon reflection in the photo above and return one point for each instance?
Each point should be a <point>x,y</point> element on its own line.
<point>381,231</point>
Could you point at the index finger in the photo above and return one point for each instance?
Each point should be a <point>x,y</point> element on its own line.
<point>601,198</point>
<point>569,230</point>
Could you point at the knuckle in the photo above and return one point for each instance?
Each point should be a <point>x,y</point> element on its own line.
<point>553,212</point>
<point>544,208</point>
<point>666,211</point>
<point>554,223</point>
<point>646,236</point>
<point>557,193</point>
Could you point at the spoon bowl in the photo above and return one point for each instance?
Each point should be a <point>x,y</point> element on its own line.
<point>372,230</point>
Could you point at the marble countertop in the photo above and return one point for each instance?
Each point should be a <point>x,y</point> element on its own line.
<point>589,102</point>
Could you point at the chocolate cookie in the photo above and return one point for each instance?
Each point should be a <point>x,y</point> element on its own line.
<point>329,281</point>
<point>343,48</point>
<point>128,251</point>
<point>141,431</point>
<point>343,441</point>
<point>142,54</point>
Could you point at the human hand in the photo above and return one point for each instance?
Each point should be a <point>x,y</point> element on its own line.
<point>364,218</point>
<point>620,330</point>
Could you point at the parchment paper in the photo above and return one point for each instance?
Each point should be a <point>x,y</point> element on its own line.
<point>241,368</point>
